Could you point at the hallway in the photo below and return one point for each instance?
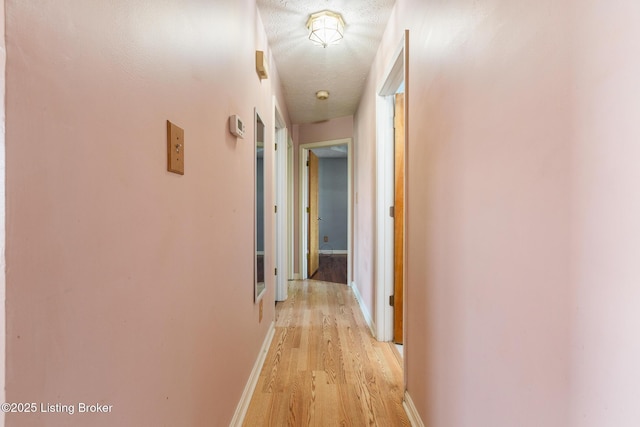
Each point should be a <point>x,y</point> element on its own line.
<point>128,284</point>
<point>324,368</point>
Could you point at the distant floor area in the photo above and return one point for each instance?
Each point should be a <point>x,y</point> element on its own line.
<point>333,268</point>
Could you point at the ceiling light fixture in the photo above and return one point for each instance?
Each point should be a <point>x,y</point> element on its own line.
<point>325,28</point>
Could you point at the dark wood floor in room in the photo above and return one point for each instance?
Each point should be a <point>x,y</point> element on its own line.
<point>333,268</point>
<point>324,368</point>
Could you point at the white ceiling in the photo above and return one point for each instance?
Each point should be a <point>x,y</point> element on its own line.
<point>305,68</point>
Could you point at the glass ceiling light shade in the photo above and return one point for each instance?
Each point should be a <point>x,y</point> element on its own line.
<point>325,28</point>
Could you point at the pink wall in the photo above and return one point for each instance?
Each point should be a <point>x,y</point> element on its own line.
<point>364,203</point>
<point>3,265</point>
<point>487,322</point>
<point>338,128</point>
<point>522,210</point>
<point>341,127</point>
<point>128,285</point>
<point>487,218</point>
<point>605,231</point>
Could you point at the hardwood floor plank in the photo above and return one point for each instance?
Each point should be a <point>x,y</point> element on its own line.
<point>327,398</point>
<point>324,368</point>
<point>274,358</point>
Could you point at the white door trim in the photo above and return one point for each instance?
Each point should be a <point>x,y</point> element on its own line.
<point>280,182</point>
<point>290,209</point>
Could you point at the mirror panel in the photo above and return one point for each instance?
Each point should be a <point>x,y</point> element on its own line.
<point>259,282</point>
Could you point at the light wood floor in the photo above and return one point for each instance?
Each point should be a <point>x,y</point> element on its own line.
<point>324,368</point>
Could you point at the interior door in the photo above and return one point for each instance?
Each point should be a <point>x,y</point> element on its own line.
<point>398,226</point>
<point>314,244</point>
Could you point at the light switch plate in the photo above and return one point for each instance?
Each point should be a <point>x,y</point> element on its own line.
<point>175,148</point>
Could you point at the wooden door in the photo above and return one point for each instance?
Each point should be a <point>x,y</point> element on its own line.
<point>398,264</point>
<point>314,244</point>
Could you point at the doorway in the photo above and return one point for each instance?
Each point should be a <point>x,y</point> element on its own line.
<point>391,152</point>
<point>323,248</point>
<point>328,229</point>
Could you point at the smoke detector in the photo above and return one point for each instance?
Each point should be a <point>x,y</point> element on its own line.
<point>322,94</point>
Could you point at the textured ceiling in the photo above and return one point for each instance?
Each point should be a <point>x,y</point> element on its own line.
<point>305,68</point>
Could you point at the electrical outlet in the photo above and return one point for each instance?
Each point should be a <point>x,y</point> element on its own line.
<point>326,239</point>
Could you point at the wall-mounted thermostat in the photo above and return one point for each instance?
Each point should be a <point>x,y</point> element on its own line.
<point>236,126</point>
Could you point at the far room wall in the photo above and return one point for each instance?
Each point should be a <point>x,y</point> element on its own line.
<point>333,204</point>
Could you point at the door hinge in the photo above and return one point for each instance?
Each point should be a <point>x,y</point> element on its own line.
<point>307,209</point>
<point>276,146</point>
<point>307,162</point>
<point>276,209</point>
<point>392,211</point>
<point>391,300</point>
<point>276,271</point>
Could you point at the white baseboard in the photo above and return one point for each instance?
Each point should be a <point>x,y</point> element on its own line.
<point>363,309</point>
<point>332,252</point>
<point>247,394</point>
<point>412,412</point>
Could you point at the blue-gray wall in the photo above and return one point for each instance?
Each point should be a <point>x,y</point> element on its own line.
<point>333,199</point>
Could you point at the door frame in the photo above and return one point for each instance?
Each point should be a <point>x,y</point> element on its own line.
<point>304,200</point>
<point>280,138</point>
<point>395,75</point>
<point>290,210</point>
<point>313,210</point>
